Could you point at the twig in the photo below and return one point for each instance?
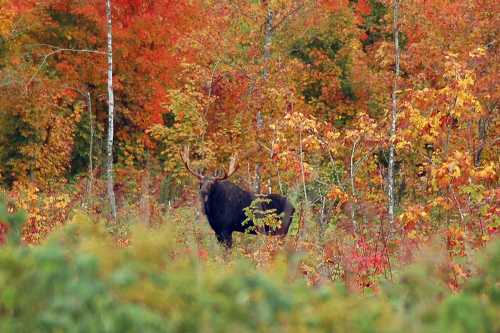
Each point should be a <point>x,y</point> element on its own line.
<point>288,15</point>
<point>57,50</point>
<point>353,189</point>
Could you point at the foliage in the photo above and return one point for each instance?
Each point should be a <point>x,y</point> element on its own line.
<point>78,281</point>
<point>10,223</point>
<point>196,73</point>
<point>45,211</point>
<point>261,218</point>
<point>185,126</point>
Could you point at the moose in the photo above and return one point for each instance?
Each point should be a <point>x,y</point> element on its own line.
<point>223,204</point>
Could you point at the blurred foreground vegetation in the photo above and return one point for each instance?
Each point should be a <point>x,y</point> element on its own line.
<point>81,280</point>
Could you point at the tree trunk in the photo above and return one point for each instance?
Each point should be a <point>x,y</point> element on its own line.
<point>145,202</point>
<point>302,171</point>
<point>268,34</point>
<point>91,151</point>
<point>394,114</point>
<point>111,105</point>
<point>322,219</point>
<point>353,187</point>
<point>483,122</point>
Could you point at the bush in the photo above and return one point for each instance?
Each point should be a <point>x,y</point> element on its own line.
<point>80,281</point>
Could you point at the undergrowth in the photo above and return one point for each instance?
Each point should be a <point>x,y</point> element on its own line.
<point>166,280</point>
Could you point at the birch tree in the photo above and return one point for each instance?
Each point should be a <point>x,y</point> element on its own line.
<point>111,104</point>
<point>268,31</point>
<point>394,114</point>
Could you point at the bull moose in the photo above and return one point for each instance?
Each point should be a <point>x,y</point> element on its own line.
<point>223,204</point>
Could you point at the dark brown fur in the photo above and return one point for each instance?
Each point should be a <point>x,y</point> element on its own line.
<point>223,203</point>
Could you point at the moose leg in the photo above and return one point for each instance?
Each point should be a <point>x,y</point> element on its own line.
<point>225,239</point>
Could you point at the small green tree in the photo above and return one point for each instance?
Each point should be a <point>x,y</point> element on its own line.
<point>262,217</point>
<point>14,222</point>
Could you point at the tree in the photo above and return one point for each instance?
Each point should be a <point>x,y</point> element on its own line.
<point>394,115</point>
<point>111,105</point>
<point>268,30</point>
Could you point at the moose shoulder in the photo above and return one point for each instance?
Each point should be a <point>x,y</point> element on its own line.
<point>223,204</point>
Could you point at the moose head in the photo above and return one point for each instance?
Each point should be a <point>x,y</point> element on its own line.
<point>206,182</point>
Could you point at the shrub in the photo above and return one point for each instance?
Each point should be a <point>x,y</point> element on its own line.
<point>79,280</point>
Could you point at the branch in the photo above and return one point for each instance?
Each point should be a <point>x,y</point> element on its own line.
<point>485,144</point>
<point>364,158</point>
<point>57,50</point>
<point>289,14</point>
<point>491,44</point>
<point>241,11</point>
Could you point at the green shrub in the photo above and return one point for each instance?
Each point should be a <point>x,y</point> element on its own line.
<point>80,281</point>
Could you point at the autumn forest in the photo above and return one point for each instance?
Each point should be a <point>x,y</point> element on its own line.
<point>137,135</point>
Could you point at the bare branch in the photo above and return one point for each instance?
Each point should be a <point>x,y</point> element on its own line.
<point>57,50</point>
<point>288,15</point>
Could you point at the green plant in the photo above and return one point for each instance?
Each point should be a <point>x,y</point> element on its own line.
<point>260,217</point>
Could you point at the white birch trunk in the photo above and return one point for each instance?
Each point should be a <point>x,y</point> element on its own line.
<point>268,34</point>
<point>394,114</point>
<point>353,187</point>
<point>111,105</point>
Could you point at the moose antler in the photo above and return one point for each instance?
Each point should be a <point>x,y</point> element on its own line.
<point>185,160</point>
<point>233,166</point>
